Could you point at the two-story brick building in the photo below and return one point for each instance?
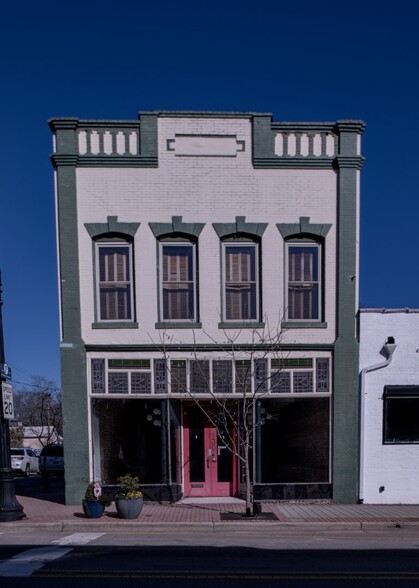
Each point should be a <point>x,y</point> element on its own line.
<point>194,247</point>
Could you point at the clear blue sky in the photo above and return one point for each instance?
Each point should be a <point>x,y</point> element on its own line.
<point>306,60</point>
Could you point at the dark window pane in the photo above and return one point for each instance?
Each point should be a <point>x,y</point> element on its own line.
<point>98,376</point>
<point>200,376</point>
<point>295,440</point>
<point>141,382</point>
<point>118,382</point>
<point>196,444</point>
<point>160,376</point>
<point>280,382</point>
<point>129,440</point>
<point>261,375</point>
<point>243,376</point>
<point>178,377</point>
<point>401,420</point>
<point>222,376</point>
<point>303,382</point>
<point>322,374</point>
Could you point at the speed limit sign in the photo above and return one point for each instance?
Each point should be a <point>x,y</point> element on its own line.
<point>8,408</point>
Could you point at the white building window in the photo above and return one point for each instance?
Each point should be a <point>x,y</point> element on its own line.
<point>114,281</point>
<point>241,282</point>
<point>178,281</point>
<point>303,282</point>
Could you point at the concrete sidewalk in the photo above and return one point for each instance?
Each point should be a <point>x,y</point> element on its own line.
<point>48,514</point>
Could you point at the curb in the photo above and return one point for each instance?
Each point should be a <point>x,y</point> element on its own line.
<point>167,528</point>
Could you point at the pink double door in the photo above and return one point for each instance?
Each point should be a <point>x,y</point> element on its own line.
<point>210,469</point>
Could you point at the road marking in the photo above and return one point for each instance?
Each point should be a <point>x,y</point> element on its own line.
<point>78,539</point>
<point>27,562</point>
<point>24,564</point>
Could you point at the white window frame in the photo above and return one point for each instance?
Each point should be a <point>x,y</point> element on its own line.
<point>318,248</point>
<point>192,246</point>
<point>130,282</point>
<point>256,282</point>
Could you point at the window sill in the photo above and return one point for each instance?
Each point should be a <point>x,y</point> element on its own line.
<point>303,325</point>
<point>178,325</point>
<point>115,325</point>
<point>241,325</point>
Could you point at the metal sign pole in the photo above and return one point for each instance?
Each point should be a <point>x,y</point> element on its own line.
<point>10,508</point>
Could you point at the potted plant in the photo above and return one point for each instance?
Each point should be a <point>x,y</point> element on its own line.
<point>94,502</point>
<point>129,499</point>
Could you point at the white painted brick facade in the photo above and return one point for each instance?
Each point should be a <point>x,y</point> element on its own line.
<point>392,468</point>
<point>206,190</point>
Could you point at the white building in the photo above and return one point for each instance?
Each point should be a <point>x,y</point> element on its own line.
<point>389,390</point>
<point>176,234</point>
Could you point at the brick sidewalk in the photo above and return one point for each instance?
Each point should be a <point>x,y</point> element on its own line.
<point>43,511</point>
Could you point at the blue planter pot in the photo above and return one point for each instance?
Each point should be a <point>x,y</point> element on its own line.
<point>129,509</point>
<point>93,509</point>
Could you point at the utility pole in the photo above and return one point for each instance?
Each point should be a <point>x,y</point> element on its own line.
<point>10,508</point>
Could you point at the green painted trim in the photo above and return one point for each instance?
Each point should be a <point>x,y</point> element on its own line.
<point>225,230</point>
<point>287,162</point>
<point>73,356</point>
<point>177,226</point>
<point>303,227</point>
<point>177,325</point>
<point>241,325</point>
<point>115,161</point>
<point>264,132</point>
<point>148,145</point>
<point>346,355</point>
<point>115,325</point>
<point>95,230</point>
<point>303,325</point>
<point>201,114</point>
<point>207,347</point>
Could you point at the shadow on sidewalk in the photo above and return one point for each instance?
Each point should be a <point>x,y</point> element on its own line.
<point>32,487</point>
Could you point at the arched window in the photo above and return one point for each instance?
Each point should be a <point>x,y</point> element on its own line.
<point>304,251</point>
<point>241,279</point>
<point>114,272</point>
<point>178,273</point>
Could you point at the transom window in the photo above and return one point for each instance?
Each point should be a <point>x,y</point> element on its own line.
<point>114,281</point>
<point>178,281</point>
<point>197,377</point>
<point>303,277</point>
<point>241,276</point>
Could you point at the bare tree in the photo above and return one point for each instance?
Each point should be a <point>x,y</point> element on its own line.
<point>40,409</point>
<point>233,413</point>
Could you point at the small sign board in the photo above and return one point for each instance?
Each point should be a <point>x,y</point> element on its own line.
<point>7,400</point>
<point>5,371</point>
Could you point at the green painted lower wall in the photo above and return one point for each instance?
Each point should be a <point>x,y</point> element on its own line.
<point>75,410</point>
<point>345,423</point>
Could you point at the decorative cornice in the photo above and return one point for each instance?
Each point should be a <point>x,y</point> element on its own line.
<point>350,126</point>
<point>95,230</point>
<point>344,161</point>
<point>287,230</point>
<point>224,230</point>
<point>177,226</point>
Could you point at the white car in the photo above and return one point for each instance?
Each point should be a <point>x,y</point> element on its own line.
<point>24,461</point>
